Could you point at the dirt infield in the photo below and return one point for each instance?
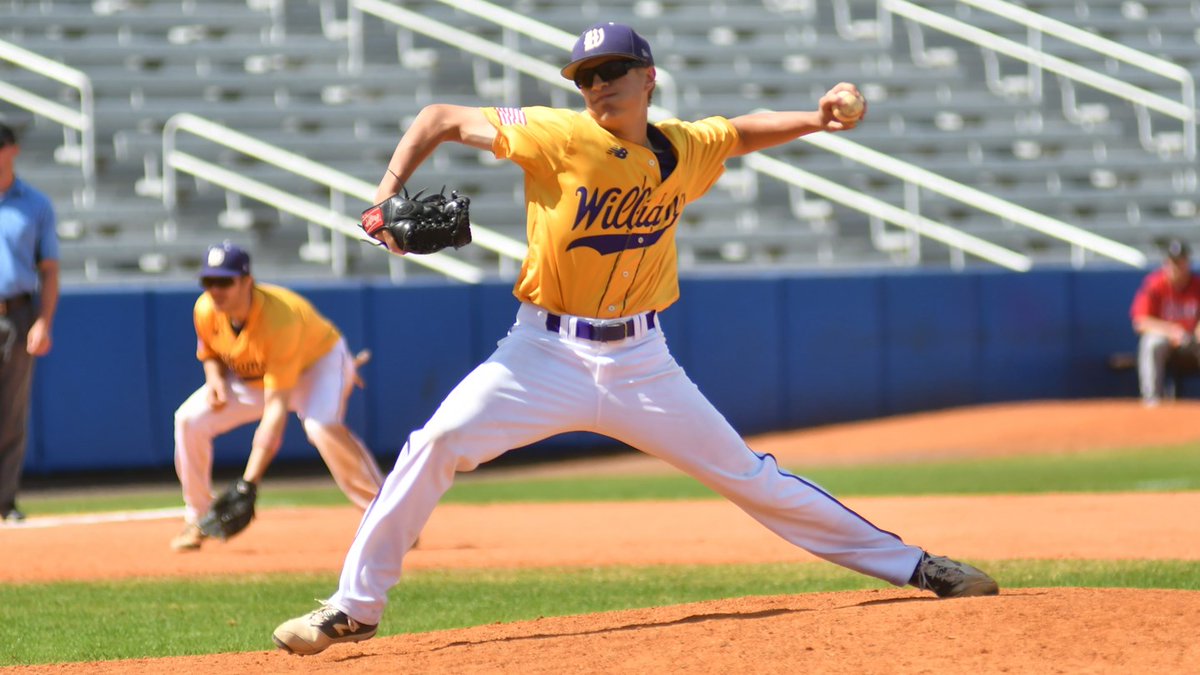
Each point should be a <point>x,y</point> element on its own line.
<point>1128,526</point>
<point>1023,630</point>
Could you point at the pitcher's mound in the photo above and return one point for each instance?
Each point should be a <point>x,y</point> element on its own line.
<point>1029,630</point>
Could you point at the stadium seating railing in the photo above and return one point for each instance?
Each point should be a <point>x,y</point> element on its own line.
<point>81,150</point>
<point>511,59</point>
<point>958,242</point>
<point>1143,100</point>
<point>1081,239</point>
<point>909,219</point>
<point>341,186</point>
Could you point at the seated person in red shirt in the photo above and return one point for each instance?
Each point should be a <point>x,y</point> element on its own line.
<point>1165,312</point>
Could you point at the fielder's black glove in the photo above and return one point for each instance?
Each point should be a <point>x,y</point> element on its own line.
<point>231,512</point>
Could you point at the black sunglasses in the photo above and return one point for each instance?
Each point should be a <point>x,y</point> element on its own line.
<point>219,282</point>
<point>608,71</point>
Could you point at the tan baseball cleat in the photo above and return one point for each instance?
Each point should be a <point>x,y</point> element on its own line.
<point>951,579</point>
<point>316,631</point>
<point>188,540</point>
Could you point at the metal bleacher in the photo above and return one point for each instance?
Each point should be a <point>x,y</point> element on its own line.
<point>264,68</point>
<point>280,71</point>
<point>1073,151</point>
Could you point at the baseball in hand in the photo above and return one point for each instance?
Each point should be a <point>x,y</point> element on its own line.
<point>848,107</point>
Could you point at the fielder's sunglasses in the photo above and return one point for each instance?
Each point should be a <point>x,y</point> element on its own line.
<point>607,71</point>
<point>219,282</point>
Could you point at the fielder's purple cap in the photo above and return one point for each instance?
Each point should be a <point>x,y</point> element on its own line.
<point>225,260</point>
<point>608,39</point>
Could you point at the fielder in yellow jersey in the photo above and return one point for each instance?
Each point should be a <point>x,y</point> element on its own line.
<point>604,190</point>
<point>282,337</point>
<point>265,351</point>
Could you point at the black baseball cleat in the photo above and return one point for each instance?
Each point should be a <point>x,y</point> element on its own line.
<point>318,630</point>
<point>12,515</point>
<point>951,579</point>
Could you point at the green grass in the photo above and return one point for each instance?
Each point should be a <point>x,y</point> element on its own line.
<point>1140,470</point>
<point>1152,469</point>
<point>46,623</point>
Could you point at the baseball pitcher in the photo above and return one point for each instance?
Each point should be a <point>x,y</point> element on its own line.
<point>604,192</point>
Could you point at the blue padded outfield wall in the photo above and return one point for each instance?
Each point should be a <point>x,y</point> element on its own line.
<point>772,352</point>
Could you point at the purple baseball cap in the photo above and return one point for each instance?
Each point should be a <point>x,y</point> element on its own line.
<point>608,39</point>
<point>225,260</point>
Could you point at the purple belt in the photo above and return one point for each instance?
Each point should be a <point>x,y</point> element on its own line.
<point>601,331</point>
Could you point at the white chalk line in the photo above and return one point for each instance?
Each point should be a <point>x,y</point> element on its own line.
<point>96,518</point>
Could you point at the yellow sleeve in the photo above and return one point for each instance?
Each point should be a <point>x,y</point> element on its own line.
<point>534,138</point>
<point>202,320</point>
<point>706,145</point>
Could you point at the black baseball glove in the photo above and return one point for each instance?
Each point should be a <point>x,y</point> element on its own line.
<point>422,224</point>
<point>231,512</point>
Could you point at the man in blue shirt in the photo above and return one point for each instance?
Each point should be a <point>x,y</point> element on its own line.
<point>28,266</point>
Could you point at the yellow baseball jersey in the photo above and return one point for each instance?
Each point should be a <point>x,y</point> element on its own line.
<point>283,336</point>
<point>600,220</point>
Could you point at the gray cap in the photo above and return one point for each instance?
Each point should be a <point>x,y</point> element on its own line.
<point>1177,249</point>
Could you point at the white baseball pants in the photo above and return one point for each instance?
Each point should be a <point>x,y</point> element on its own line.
<point>318,399</point>
<point>540,383</point>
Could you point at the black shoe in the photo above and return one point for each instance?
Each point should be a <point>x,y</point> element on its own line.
<point>951,579</point>
<point>13,516</point>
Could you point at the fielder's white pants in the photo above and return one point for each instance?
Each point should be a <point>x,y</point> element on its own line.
<point>318,399</point>
<point>538,384</point>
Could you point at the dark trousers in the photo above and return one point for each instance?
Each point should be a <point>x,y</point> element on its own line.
<point>16,377</point>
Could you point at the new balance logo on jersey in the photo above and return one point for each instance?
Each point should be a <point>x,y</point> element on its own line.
<point>618,152</point>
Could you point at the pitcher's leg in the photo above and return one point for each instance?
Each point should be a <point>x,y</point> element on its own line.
<point>523,394</point>
<point>667,416</point>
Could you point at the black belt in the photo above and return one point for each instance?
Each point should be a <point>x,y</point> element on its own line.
<point>600,331</point>
<point>15,302</point>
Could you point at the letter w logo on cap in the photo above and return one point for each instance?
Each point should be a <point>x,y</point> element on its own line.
<point>593,38</point>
